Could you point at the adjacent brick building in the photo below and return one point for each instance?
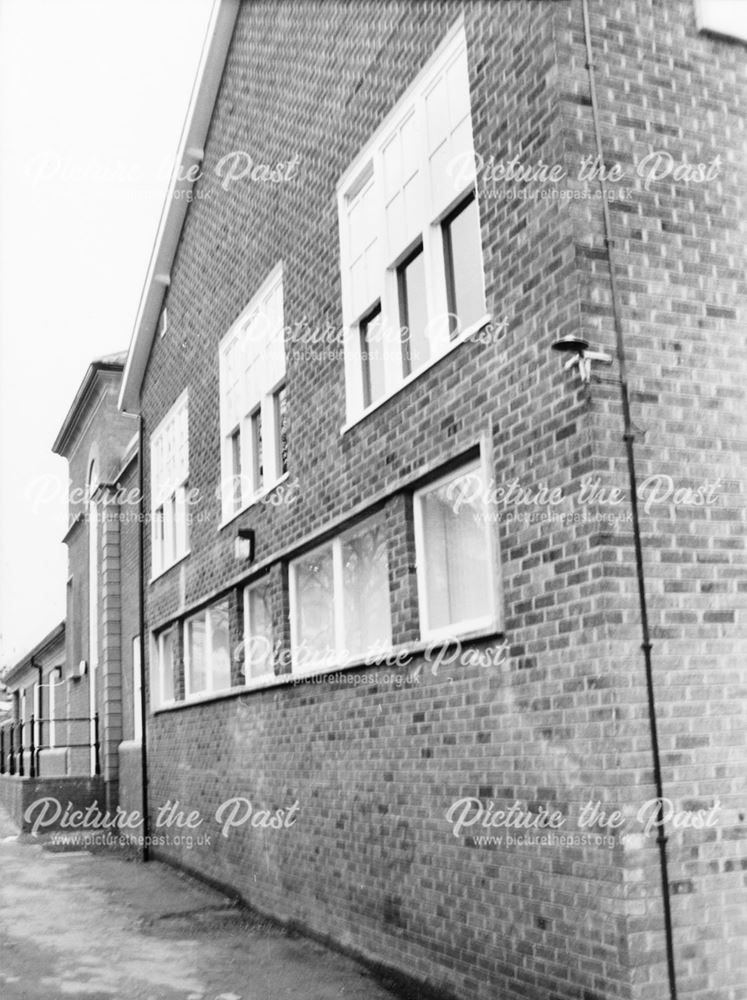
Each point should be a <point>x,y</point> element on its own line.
<point>77,693</point>
<point>386,582</point>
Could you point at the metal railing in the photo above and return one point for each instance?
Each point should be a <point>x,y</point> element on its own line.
<point>21,740</point>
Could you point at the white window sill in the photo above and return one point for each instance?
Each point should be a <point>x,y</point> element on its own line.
<point>257,498</point>
<point>451,346</point>
<point>162,572</point>
<point>459,630</point>
<point>398,656</point>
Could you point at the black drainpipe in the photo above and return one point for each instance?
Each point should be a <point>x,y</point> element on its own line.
<point>629,438</point>
<point>145,854</point>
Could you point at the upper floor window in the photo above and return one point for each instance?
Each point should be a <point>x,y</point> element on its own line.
<point>253,411</point>
<point>169,456</point>
<point>411,254</point>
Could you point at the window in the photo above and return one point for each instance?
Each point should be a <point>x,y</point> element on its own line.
<point>340,598</point>
<point>137,691</point>
<point>372,356</point>
<point>252,399</point>
<point>169,456</point>
<point>53,680</point>
<point>463,266</point>
<point>722,17</point>
<point>411,256</point>
<point>258,635</point>
<point>455,554</point>
<point>279,400</point>
<point>207,651</point>
<point>164,659</point>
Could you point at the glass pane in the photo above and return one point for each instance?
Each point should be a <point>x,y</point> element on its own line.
<point>372,358</point>
<point>281,423</point>
<point>413,313</point>
<point>315,616</point>
<point>464,267</point>
<point>166,644</point>
<point>457,556</point>
<point>368,623</point>
<point>258,656</point>
<point>257,449</point>
<point>196,672</point>
<point>236,468</point>
<point>220,647</point>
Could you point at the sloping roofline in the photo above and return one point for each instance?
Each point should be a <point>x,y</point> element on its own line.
<point>14,672</point>
<point>110,363</point>
<point>189,155</point>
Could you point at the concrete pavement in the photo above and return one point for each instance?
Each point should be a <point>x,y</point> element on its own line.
<point>97,927</point>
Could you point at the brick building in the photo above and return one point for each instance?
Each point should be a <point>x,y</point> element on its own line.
<point>77,694</point>
<point>390,588</point>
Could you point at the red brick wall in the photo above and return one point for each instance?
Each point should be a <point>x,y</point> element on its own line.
<point>562,719</point>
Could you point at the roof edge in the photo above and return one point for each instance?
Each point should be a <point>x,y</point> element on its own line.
<point>21,665</point>
<point>176,205</point>
<point>81,398</point>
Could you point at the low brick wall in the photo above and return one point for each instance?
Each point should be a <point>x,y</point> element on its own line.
<point>18,794</point>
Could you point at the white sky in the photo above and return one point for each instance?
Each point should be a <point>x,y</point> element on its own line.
<point>93,95</point>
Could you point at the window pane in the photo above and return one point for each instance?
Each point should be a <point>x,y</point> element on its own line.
<point>368,623</point>
<point>413,313</point>
<point>258,655</point>
<point>372,357</point>
<point>257,450</point>
<point>166,665</point>
<point>464,280</point>
<point>195,637</point>
<point>457,556</point>
<point>235,442</point>
<point>220,648</point>
<point>315,617</point>
<point>281,425</point>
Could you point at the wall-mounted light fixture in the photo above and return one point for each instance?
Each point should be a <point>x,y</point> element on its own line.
<point>245,544</point>
<point>580,355</point>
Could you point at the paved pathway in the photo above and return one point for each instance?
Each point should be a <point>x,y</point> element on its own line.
<point>97,927</point>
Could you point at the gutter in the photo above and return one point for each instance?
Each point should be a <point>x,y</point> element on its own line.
<point>629,439</point>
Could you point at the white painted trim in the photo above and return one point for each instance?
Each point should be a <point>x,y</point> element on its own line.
<point>176,205</point>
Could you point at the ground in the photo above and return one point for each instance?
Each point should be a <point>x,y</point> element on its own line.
<point>99,926</point>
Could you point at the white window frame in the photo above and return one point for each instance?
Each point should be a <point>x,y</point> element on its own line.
<point>480,623</point>
<point>209,674</point>
<point>157,674</point>
<point>366,176</point>
<point>249,681</point>
<point>261,366</point>
<point>338,601</point>
<point>168,499</point>
<point>54,680</point>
